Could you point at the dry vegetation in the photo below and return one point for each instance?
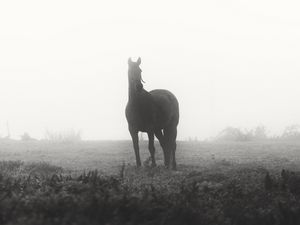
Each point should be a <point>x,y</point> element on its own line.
<point>97,183</point>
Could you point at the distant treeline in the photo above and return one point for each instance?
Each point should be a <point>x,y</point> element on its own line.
<point>258,133</point>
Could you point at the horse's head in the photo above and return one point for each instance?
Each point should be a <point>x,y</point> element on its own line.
<point>135,74</point>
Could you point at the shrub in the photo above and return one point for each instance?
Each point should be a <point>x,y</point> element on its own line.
<point>68,136</point>
<point>27,137</point>
<point>236,134</point>
<point>291,132</point>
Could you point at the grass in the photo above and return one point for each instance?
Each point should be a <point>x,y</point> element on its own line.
<point>98,183</point>
<point>108,156</point>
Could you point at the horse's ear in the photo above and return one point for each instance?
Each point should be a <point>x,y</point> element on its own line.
<point>129,61</point>
<point>139,61</point>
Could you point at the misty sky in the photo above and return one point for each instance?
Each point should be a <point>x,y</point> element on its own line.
<point>63,64</point>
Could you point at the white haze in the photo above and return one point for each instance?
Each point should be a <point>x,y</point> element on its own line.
<point>63,64</point>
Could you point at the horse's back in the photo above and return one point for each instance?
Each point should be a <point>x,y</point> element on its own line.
<point>167,105</point>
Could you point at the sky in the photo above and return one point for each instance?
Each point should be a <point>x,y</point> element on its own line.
<point>63,64</point>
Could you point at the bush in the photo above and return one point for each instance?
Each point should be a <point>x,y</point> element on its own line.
<point>68,136</point>
<point>291,133</point>
<point>236,134</point>
<point>27,137</point>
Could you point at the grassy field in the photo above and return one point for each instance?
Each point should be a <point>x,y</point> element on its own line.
<point>96,182</point>
<point>108,156</point>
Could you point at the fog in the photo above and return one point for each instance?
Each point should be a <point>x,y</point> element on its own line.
<point>63,64</point>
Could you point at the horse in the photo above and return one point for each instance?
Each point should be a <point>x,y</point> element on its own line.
<point>155,112</point>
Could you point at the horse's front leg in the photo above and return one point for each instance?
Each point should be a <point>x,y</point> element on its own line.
<point>151,147</point>
<point>135,141</point>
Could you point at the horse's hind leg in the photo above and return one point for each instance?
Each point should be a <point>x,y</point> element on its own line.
<point>170,135</point>
<point>160,137</point>
<point>151,147</point>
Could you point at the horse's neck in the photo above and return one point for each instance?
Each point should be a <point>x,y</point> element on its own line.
<point>133,94</point>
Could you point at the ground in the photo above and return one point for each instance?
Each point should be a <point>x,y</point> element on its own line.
<point>108,156</point>
<point>96,182</point>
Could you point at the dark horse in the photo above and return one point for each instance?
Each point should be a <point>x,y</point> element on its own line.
<point>155,112</point>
